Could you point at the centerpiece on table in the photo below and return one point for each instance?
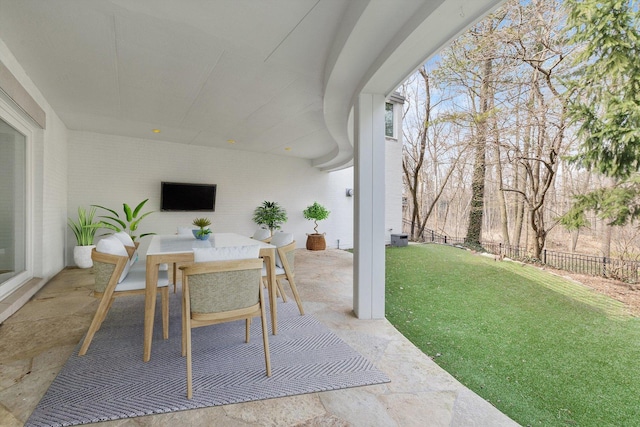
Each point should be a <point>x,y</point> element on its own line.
<point>203,232</point>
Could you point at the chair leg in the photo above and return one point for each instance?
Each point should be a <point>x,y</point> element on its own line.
<point>265,335</point>
<point>280,290</point>
<point>189,367</point>
<point>164,293</point>
<point>174,277</point>
<point>104,315</point>
<point>184,328</point>
<point>101,313</point>
<point>247,333</point>
<point>294,289</point>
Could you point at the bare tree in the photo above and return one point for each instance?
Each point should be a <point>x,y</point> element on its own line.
<point>424,153</point>
<point>537,42</point>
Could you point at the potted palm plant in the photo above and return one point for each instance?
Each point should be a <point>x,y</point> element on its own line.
<point>203,232</point>
<point>85,230</point>
<point>271,215</point>
<point>316,212</point>
<point>129,222</point>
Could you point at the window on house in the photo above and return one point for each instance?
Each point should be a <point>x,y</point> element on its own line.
<point>388,120</point>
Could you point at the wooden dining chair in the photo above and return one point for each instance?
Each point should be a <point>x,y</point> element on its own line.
<point>116,277</point>
<point>222,291</point>
<point>262,234</point>
<point>182,231</point>
<point>285,263</point>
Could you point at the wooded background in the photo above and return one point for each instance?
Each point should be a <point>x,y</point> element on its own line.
<point>492,142</point>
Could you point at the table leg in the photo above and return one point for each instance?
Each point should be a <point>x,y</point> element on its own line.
<point>271,272</point>
<point>149,305</point>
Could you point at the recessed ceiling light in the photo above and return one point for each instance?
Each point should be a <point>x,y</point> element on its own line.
<point>156,130</point>
<point>231,141</point>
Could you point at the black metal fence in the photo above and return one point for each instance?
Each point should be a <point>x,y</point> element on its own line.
<point>619,269</point>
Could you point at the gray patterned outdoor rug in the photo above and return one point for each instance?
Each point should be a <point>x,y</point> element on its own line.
<point>112,382</point>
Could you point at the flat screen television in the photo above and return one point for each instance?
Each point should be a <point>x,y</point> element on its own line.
<point>180,196</point>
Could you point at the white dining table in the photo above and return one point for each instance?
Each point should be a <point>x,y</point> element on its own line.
<point>174,248</point>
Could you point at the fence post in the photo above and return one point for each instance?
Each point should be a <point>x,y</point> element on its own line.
<point>544,256</point>
<point>500,248</point>
<point>604,266</point>
<point>445,240</point>
<point>431,235</point>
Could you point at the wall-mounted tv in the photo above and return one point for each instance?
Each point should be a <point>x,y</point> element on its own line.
<point>179,196</point>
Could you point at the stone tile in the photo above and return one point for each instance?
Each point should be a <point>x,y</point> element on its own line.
<point>421,409</point>
<point>54,357</point>
<point>409,375</point>
<point>32,338</point>
<point>12,373</point>
<point>22,398</point>
<point>278,412</point>
<point>7,419</point>
<point>68,280</point>
<point>399,345</point>
<point>324,421</point>
<point>335,318</point>
<point>195,417</point>
<point>358,407</point>
<point>470,410</point>
<point>46,308</point>
<point>369,345</point>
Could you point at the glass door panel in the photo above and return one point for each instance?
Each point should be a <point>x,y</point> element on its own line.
<point>13,232</point>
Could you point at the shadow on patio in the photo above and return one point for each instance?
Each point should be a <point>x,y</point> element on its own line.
<point>38,339</point>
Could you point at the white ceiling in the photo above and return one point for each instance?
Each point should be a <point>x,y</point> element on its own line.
<point>276,76</point>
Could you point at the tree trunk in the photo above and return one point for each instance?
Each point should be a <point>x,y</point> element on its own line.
<point>474,230</point>
<point>574,239</point>
<point>606,240</point>
<point>504,222</point>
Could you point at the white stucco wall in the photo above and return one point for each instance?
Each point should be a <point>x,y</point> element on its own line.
<point>109,170</point>
<point>393,173</point>
<point>393,188</point>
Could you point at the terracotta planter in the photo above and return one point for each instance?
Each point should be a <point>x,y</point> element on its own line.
<point>316,242</point>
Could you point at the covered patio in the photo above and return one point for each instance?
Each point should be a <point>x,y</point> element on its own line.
<point>40,337</point>
<point>281,100</point>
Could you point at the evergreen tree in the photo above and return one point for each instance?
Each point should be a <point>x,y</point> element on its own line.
<point>605,102</point>
<point>605,99</point>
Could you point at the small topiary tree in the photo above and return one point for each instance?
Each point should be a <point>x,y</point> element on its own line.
<point>316,212</point>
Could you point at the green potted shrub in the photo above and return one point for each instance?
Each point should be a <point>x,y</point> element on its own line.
<point>203,232</point>
<point>85,231</point>
<point>271,215</point>
<point>316,212</point>
<point>129,222</point>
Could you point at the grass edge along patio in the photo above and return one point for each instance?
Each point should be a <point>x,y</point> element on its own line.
<point>543,349</point>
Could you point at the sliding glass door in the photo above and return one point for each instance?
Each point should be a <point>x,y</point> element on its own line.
<point>13,207</point>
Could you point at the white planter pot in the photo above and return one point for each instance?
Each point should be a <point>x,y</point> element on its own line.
<point>82,256</point>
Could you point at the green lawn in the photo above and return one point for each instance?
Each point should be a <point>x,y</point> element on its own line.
<point>542,349</point>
